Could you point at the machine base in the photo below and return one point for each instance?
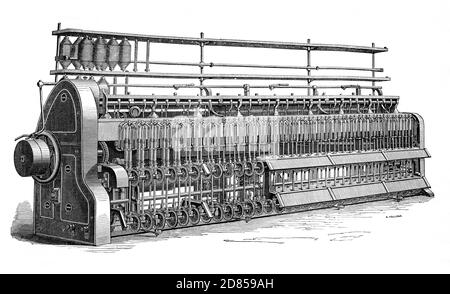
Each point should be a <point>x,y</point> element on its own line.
<point>397,196</point>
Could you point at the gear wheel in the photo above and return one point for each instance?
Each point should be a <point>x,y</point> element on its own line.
<point>105,152</point>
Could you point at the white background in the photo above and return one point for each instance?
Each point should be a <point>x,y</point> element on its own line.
<point>417,34</point>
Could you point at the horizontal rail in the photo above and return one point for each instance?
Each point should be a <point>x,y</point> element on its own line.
<point>185,194</point>
<point>217,76</point>
<point>322,98</point>
<point>272,86</point>
<point>218,64</point>
<point>221,42</point>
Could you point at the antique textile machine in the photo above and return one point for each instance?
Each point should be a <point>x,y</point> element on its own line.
<point>125,144</point>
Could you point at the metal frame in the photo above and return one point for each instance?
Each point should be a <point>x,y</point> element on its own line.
<point>203,42</point>
<point>151,162</point>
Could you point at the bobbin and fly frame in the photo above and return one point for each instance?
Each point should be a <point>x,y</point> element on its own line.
<point>222,146</point>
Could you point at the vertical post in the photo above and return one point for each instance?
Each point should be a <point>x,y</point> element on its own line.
<point>201,62</point>
<point>136,46</point>
<point>373,71</point>
<point>308,64</point>
<point>57,51</point>
<point>115,87</point>
<point>147,57</point>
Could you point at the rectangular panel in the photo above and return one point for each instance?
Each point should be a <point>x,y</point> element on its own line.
<point>359,191</point>
<point>300,162</point>
<point>405,185</point>
<point>72,194</point>
<point>108,129</point>
<point>305,197</point>
<point>406,154</point>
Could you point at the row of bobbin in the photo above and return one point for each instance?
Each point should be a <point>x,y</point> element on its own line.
<point>101,54</point>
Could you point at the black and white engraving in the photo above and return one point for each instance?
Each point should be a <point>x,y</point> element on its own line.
<point>123,148</point>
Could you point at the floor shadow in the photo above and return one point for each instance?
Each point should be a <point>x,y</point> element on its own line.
<point>336,222</point>
<point>341,224</point>
<point>22,226</point>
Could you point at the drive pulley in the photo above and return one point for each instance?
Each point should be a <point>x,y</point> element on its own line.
<point>38,156</point>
